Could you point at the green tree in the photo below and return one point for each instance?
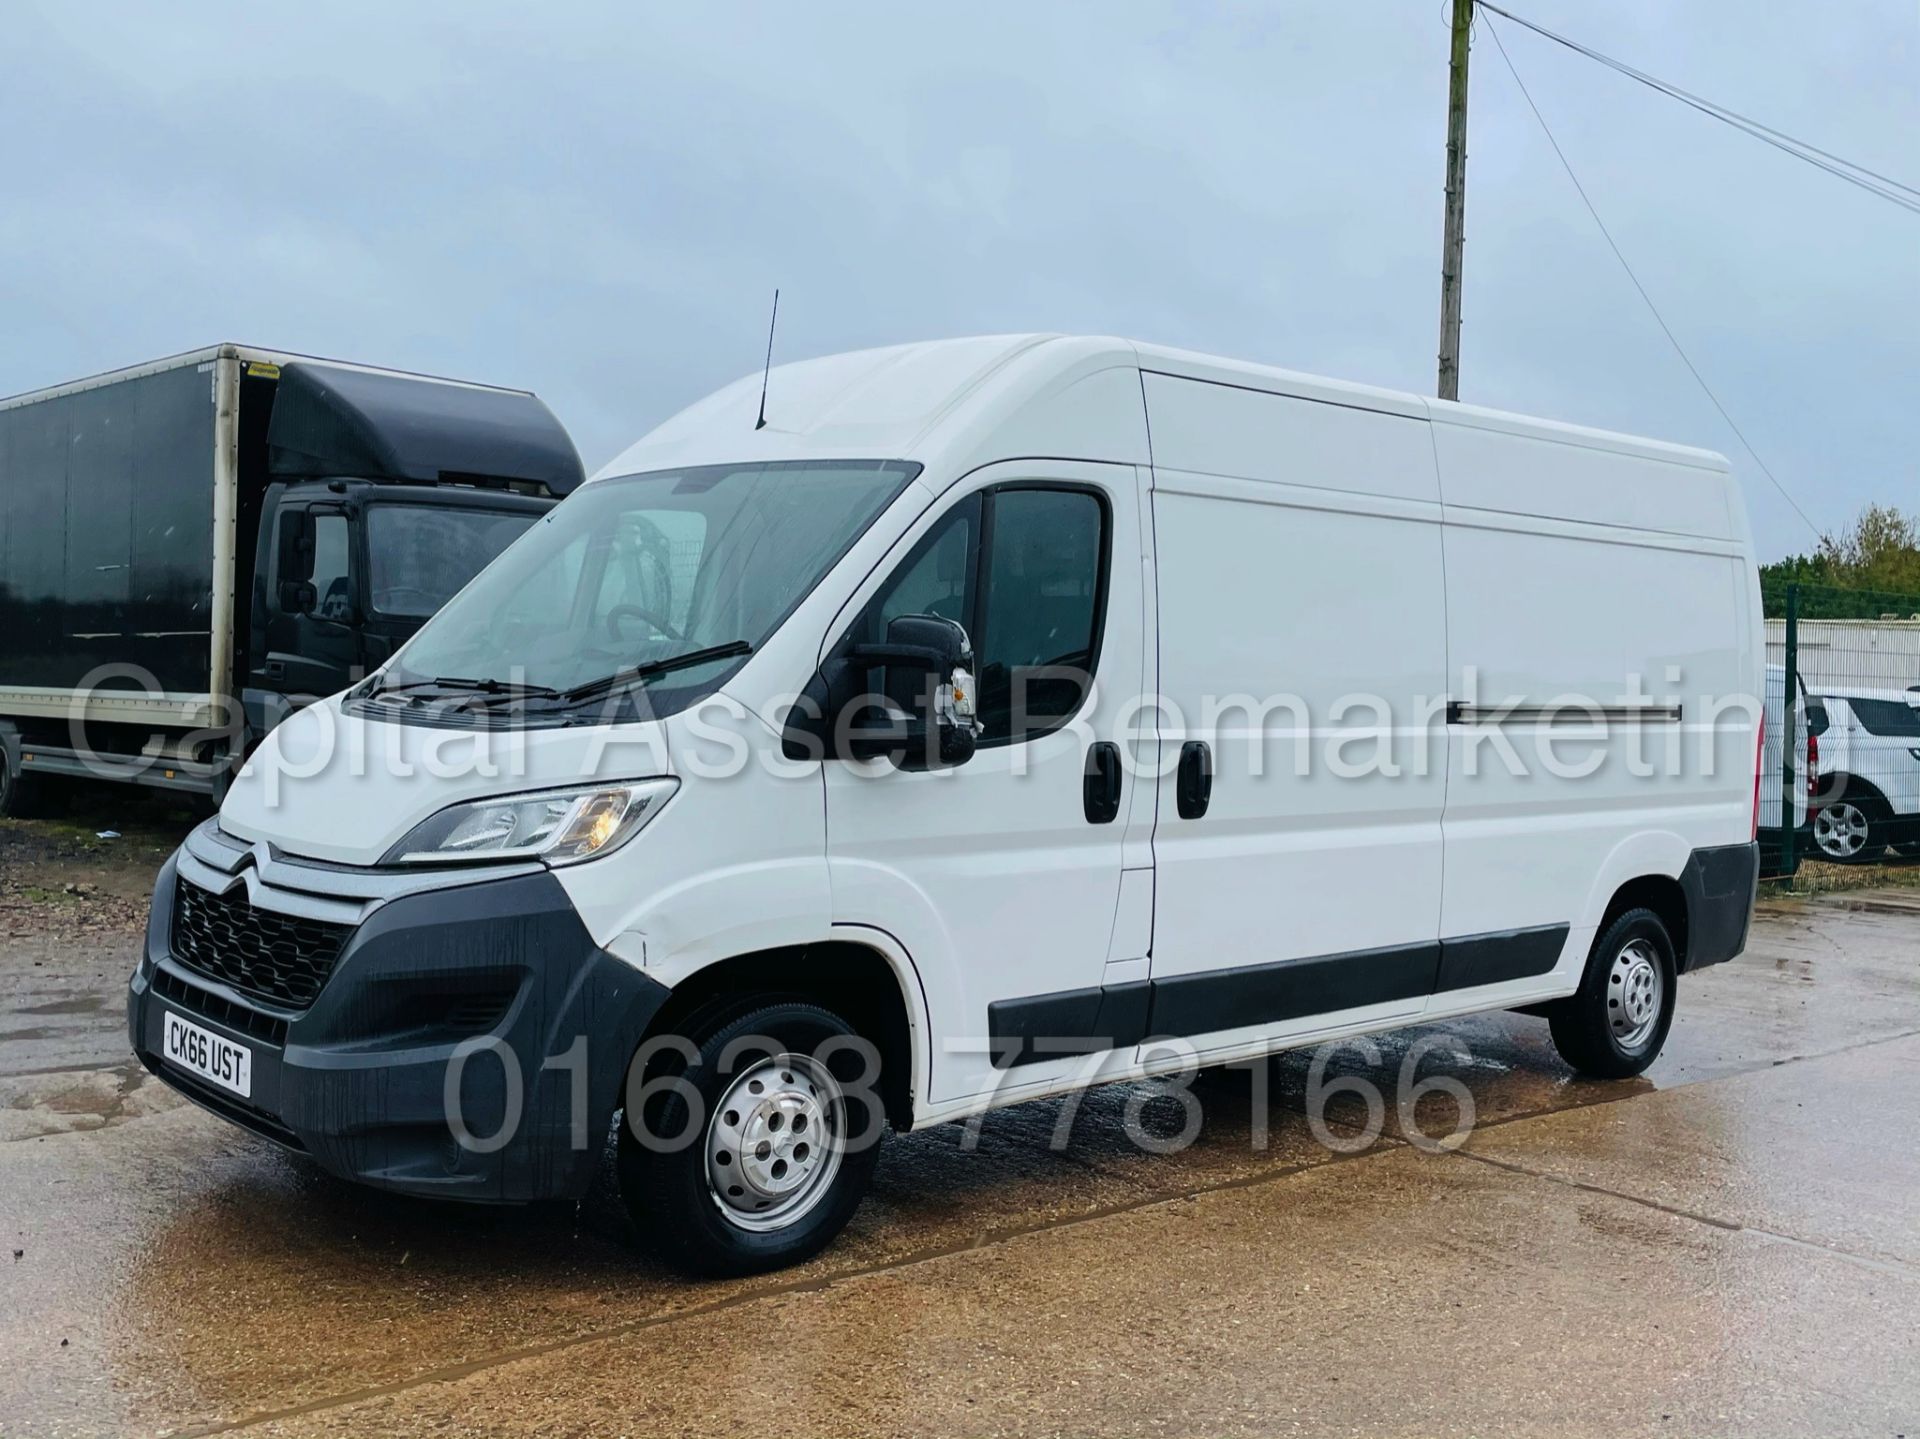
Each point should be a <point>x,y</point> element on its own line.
<point>1873,568</point>
<point>1881,552</point>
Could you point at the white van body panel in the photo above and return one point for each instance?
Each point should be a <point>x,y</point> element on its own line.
<point>690,895</point>
<point>1254,494</point>
<point>952,406</point>
<point>1514,466</point>
<point>1614,560</point>
<point>330,785</point>
<point>1596,610</point>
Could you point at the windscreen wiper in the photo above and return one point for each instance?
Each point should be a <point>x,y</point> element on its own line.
<point>634,674</point>
<point>511,689</point>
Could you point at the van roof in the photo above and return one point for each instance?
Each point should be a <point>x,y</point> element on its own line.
<point>944,400</point>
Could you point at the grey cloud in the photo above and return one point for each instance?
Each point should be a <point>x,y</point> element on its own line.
<point>597,201</point>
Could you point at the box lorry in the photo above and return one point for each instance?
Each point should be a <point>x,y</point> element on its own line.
<point>999,717</point>
<point>190,549</point>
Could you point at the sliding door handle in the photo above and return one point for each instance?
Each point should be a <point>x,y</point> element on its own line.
<point>1100,791</point>
<point>1193,783</point>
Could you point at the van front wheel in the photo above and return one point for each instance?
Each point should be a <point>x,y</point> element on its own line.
<point>1614,1025</point>
<point>755,1141</point>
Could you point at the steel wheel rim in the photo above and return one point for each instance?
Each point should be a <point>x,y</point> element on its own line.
<point>1841,829</point>
<point>1636,988</point>
<point>774,1142</point>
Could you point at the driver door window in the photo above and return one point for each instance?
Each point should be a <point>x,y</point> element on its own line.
<point>332,580</point>
<point>1024,570</point>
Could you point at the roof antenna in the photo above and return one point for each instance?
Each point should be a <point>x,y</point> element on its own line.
<point>765,374</point>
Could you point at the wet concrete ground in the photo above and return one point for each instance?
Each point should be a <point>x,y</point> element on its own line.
<point>1730,1245</point>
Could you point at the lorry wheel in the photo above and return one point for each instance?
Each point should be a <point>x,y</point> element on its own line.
<point>754,1154</point>
<point>1614,1025</point>
<point>18,792</point>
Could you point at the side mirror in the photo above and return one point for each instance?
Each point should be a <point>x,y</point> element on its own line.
<point>925,702</point>
<point>298,597</point>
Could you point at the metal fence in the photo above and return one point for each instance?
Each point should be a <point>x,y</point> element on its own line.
<point>1848,753</point>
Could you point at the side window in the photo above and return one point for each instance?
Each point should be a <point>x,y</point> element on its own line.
<point>1024,570</point>
<point>332,584</point>
<point>1043,583</point>
<point>936,579</point>
<point>1816,718</point>
<point>1890,719</point>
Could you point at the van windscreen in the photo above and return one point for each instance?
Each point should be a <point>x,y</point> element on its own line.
<point>641,569</point>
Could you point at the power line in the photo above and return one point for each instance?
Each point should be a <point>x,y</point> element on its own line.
<point>1652,308</point>
<point>1907,197</point>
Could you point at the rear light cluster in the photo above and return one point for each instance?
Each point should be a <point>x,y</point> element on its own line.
<point>1759,767</point>
<point>1813,765</point>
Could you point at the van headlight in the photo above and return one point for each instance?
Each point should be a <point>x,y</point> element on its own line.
<point>561,826</point>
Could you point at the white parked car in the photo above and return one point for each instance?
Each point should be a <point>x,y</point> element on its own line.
<point>791,781</point>
<point>1868,744</point>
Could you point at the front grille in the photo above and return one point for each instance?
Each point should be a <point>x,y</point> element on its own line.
<point>208,1005</point>
<point>279,957</point>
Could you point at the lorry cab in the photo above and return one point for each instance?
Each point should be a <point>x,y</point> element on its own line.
<point>976,722</point>
<point>384,494</point>
<point>349,568</point>
<point>196,547</point>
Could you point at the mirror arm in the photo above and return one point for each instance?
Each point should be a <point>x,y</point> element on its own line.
<point>913,742</point>
<point>918,656</point>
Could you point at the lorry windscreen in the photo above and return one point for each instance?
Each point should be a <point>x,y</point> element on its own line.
<point>420,556</point>
<point>638,570</point>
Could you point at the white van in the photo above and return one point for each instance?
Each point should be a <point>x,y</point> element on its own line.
<point>1001,716</point>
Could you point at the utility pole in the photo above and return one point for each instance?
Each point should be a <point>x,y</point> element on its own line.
<point>1455,234</point>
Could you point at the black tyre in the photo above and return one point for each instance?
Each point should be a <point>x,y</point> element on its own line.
<point>1614,1025</point>
<point>19,793</point>
<point>755,1154</point>
<point>1853,828</point>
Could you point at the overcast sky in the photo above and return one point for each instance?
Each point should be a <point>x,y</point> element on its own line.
<point>596,202</point>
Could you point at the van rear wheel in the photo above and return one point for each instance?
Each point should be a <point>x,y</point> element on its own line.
<point>1614,1025</point>
<point>756,1141</point>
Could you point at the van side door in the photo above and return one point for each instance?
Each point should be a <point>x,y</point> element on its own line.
<point>1302,653</point>
<point>1000,877</point>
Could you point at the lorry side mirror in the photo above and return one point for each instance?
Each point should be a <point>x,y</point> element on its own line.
<point>297,547</point>
<point>297,540</point>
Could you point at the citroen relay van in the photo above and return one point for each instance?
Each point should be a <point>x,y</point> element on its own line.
<point>917,731</point>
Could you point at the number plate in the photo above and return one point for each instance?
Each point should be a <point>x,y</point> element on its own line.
<point>206,1054</point>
